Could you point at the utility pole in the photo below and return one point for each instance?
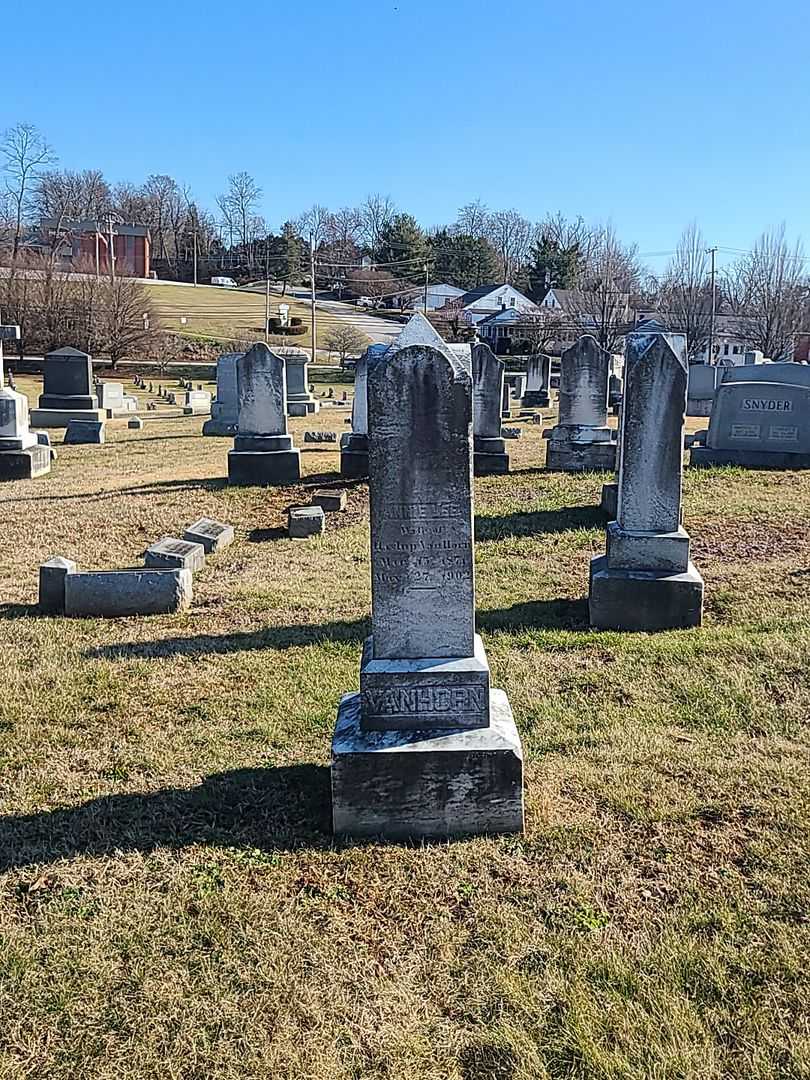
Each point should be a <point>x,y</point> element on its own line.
<point>98,237</point>
<point>194,223</point>
<point>312,292</point>
<point>267,288</point>
<point>426,287</point>
<point>111,251</point>
<point>713,252</point>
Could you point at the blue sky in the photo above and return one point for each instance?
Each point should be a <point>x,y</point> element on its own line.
<point>647,115</point>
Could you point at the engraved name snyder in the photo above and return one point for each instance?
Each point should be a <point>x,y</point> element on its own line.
<point>767,405</point>
<point>425,699</point>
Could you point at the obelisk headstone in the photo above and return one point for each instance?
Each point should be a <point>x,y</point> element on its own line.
<point>489,447</point>
<point>426,748</point>
<point>263,452</point>
<point>646,580</point>
<point>581,441</point>
<point>300,401</point>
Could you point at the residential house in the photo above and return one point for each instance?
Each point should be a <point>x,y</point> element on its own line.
<point>477,304</point>
<point>413,299</point>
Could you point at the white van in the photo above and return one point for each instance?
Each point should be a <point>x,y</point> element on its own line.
<point>224,282</point>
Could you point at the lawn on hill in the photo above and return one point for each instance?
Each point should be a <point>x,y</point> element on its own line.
<point>172,903</point>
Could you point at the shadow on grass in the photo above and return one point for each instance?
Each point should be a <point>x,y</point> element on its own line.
<point>559,614</point>
<point>271,809</point>
<point>259,536</point>
<point>270,637</point>
<point>19,611</point>
<point>537,522</point>
<point>216,483</point>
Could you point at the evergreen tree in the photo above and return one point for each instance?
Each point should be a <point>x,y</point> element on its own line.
<point>552,264</point>
<point>463,260</point>
<point>402,242</point>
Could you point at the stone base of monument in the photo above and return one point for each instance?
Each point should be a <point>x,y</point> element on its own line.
<point>426,784</point>
<point>533,399</point>
<point>58,418</point>
<point>565,456</point>
<point>622,599</point>
<point>489,456</point>
<point>217,426</point>
<point>428,692</point>
<point>579,448</point>
<point>703,457</point>
<point>353,456</point>
<point>610,500</point>
<point>264,461</point>
<point>302,408</point>
<point>25,464</point>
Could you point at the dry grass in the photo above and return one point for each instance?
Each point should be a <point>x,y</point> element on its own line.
<point>172,903</point>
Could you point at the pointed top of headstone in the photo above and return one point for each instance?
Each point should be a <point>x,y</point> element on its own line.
<point>67,350</point>
<point>418,331</point>
<point>646,334</point>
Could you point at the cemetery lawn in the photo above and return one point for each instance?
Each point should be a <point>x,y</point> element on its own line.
<point>223,314</point>
<point>172,904</point>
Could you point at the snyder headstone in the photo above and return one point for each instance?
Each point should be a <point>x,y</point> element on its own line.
<point>263,452</point>
<point>67,391</point>
<point>538,376</point>
<point>646,580</point>
<point>759,424</point>
<point>225,406</point>
<point>426,748</point>
<point>489,449</point>
<point>582,441</point>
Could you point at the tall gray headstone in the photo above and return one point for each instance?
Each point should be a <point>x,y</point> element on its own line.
<point>426,748</point>
<point>581,441</point>
<point>646,580</point>
<point>263,453</point>
<point>299,400</point>
<point>225,406</point>
<point>488,382</point>
<point>538,381</point>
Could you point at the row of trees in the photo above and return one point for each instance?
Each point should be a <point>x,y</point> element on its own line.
<point>376,249</point>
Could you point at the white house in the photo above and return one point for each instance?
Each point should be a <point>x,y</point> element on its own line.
<point>502,328</point>
<point>437,297</point>
<point>478,304</point>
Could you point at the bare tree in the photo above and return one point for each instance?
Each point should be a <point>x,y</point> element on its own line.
<point>601,306</point>
<point>767,290</point>
<point>685,299</point>
<point>473,220</point>
<point>26,154</point>
<point>238,206</point>
<point>377,213</point>
<point>125,319</point>
<point>345,339</point>
<point>511,236</point>
<point>315,223</point>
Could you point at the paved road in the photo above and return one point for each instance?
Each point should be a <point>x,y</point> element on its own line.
<point>375,328</point>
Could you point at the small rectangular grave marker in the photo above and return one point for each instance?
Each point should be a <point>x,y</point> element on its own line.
<point>213,535</point>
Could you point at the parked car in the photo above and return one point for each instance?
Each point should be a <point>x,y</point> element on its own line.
<point>224,282</point>
<point>364,301</point>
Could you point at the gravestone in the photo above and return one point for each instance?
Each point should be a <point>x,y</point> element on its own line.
<point>538,377</point>
<point>196,403</point>
<point>212,535</point>
<point>320,436</point>
<point>305,521</point>
<point>135,423</point>
<point>330,500</point>
<point>118,593</point>
<point>516,381</point>
<point>702,382</point>
<point>263,452</point>
<point>68,390</point>
<point>646,580</point>
<point>354,443</point>
<point>225,406</point>
<point>300,401</point>
<point>84,431</point>
<point>581,441</point>
<point>427,748</point>
<point>759,424</point>
<point>489,456</point>
<point>110,397</point>
<point>52,584</point>
<point>169,553</point>
<point>22,454</point>
<point>505,406</point>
